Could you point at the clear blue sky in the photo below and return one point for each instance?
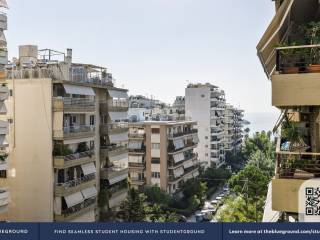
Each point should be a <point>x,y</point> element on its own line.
<point>155,46</point>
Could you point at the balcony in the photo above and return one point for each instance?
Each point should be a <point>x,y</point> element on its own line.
<point>77,210</point>
<point>114,174</point>
<point>74,159</point>
<point>137,135</point>
<point>296,80</point>
<point>80,131</point>
<point>114,128</point>
<point>137,181</point>
<point>70,105</point>
<point>117,197</point>
<point>112,151</point>
<point>186,172</point>
<point>114,106</point>
<point>185,133</point>
<point>90,74</point>
<point>173,165</point>
<point>186,147</point>
<point>76,185</point>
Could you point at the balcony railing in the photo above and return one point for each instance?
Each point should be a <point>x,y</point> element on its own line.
<point>298,59</point>
<point>77,209</point>
<point>298,165</point>
<point>173,150</point>
<point>77,75</point>
<point>74,130</point>
<point>78,181</point>
<point>75,158</point>
<point>114,128</point>
<point>73,104</point>
<point>112,151</point>
<point>172,164</point>
<point>181,134</point>
<point>112,172</point>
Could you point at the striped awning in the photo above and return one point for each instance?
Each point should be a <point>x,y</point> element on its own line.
<point>116,138</point>
<point>118,94</point>
<point>88,168</point>
<point>74,199</point>
<point>120,157</point>
<point>89,192</point>
<point>178,143</point>
<point>178,172</point>
<point>178,157</point>
<point>79,90</point>
<point>118,116</point>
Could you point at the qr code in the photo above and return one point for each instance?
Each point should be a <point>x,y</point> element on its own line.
<point>313,201</point>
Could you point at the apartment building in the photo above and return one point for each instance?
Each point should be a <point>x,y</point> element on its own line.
<point>294,73</point>
<point>162,153</point>
<point>4,93</point>
<point>67,137</point>
<point>233,128</point>
<point>205,104</point>
<point>177,110</point>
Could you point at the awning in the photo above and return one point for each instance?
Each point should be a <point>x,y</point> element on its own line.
<point>123,156</point>
<point>118,178</point>
<point>3,40</point>
<point>135,144</point>
<point>178,172</point>
<point>3,3</point>
<point>3,108</point>
<point>4,95</point>
<point>88,168</point>
<point>3,141</point>
<point>178,157</point>
<point>188,164</point>
<point>135,159</point>
<point>74,199</point>
<point>80,90</point>
<point>273,36</point>
<point>89,192</point>
<point>118,116</point>
<point>178,143</point>
<point>118,94</point>
<point>116,138</point>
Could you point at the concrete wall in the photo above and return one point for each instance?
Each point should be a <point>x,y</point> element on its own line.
<point>296,89</point>
<point>31,172</point>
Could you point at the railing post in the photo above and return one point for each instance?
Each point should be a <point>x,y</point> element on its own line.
<point>277,60</point>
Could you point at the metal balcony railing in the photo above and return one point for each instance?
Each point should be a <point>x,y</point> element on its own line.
<point>78,129</point>
<point>180,134</point>
<point>298,59</point>
<point>78,155</point>
<point>79,207</point>
<point>78,181</point>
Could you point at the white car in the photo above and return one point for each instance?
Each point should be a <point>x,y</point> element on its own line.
<point>218,198</point>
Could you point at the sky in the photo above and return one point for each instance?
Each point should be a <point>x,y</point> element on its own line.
<point>156,47</point>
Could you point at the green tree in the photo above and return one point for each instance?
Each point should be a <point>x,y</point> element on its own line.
<point>157,195</point>
<point>236,209</point>
<point>134,207</point>
<point>260,141</point>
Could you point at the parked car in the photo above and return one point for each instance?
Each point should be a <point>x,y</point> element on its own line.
<point>214,202</point>
<point>218,198</point>
<point>199,217</point>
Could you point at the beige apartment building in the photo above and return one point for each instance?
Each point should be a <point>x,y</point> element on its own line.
<point>67,137</point>
<point>294,72</point>
<point>162,153</point>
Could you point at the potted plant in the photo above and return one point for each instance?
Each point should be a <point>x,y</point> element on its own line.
<point>313,33</point>
<point>288,59</point>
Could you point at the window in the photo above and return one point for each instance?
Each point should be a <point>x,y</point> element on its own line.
<point>155,160</point>
<point>155,145</point>
<point>92,122</point>
<point>155,130</point>
<point>3,174</point>
<point>155,175</point>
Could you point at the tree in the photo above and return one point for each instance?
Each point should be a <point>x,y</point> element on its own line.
<point>246,131</point>
<point>134,206</point>
<point>251,181</point>
<point>156,195</point>
<point>157,214</point>
<point>236,209</point>
<point>195,187</point>
<point>260,141</point>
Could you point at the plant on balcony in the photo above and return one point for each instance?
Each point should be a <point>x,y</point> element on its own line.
<point>313,36</point>
<point>63,150</point>
<point>3,158</point>
<point>291,132</point>
<point>82,147</point>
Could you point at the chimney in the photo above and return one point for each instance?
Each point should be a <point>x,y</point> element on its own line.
<point>68,58</point>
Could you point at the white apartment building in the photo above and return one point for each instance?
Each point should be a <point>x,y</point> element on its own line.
<point>205,104</point>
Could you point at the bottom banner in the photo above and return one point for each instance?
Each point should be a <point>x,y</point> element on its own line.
<point>155,231</point>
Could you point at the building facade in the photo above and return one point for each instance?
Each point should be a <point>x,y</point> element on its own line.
<point>67,136</point>
<point>205,104</point>
<point>4,94</point>
<point>294,73</point>
<point>162,153</point>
